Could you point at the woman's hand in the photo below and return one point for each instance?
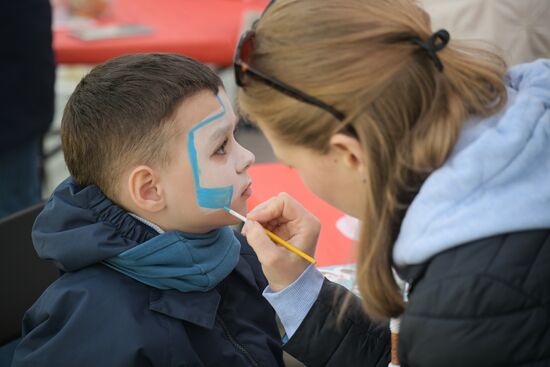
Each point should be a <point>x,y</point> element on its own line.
<point>288,219</point>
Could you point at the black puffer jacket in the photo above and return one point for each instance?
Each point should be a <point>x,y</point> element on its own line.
<point>486,303</point>
<point>353,340</point>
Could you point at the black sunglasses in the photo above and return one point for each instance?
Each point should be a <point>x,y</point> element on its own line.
<point>241,63</point>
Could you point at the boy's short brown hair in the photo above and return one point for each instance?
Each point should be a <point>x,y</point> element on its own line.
<point>119,114</point>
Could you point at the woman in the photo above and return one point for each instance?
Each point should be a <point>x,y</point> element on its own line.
<point>443,155</point>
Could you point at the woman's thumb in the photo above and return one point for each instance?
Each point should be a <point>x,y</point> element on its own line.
<point>257,238</point>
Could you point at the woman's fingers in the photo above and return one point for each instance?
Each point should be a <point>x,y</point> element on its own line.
<point>287,218</point>
<point>280,266</point>
<point>258,240</point>
<point>268,211</point>
<point>282,206</point>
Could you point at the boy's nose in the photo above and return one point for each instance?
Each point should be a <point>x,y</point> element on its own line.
<point>246,159</point>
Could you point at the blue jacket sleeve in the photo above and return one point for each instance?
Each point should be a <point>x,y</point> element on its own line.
<point>72,325</point>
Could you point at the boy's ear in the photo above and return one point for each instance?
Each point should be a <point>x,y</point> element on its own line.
<point>348,150</point>
<point>145,189</point>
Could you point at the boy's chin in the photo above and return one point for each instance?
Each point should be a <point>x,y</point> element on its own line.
<point>232,221</point>
<point>240,207</point>
<point>219,218</point>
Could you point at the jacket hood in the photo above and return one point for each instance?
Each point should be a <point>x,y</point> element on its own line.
<point>80,226</point>
<point>496,181</point>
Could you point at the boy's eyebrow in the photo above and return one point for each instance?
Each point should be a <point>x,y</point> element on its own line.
<point>221,132</point>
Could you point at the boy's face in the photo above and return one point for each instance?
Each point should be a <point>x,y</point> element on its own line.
<point>208,168</point>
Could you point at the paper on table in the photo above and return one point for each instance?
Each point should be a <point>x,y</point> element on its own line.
<point>343,275</point>
<point>97,33</point>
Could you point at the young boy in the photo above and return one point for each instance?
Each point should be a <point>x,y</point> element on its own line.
<point>152,274</point>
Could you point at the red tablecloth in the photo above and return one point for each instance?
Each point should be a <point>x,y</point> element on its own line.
<point>206,30</point>
<point>269,179</point>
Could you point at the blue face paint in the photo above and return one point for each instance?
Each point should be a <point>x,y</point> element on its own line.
<point>207,197</point>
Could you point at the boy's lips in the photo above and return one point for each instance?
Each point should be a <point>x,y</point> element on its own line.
<point>247,191</point>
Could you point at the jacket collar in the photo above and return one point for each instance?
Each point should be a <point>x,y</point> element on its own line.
<point>245,271</point>
<point>199,308</point>
<point>195,307</point>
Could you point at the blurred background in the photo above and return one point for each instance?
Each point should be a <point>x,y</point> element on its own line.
<point>88,32</point>
<point>52,44</point>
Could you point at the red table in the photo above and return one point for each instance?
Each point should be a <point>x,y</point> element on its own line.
<point>269,179</point>
<point>206,30</point>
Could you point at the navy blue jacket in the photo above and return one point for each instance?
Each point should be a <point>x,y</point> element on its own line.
<point>95,316</point>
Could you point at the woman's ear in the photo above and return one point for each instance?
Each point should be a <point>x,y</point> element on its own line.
<point>145,189</point>
<point>348,150</point>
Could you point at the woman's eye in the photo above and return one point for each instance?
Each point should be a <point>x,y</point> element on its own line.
<point>221,149</point>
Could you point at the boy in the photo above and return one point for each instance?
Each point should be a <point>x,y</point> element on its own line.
<point>152,274</point>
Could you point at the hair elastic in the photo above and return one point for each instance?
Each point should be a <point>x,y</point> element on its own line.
<point>435,43</point>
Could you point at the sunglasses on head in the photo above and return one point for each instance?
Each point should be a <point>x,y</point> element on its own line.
<point>241,63</point>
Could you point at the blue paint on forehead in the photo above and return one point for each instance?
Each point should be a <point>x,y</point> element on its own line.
<point>207,197</point>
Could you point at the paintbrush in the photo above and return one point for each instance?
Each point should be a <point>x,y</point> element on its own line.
<point>276,238</point>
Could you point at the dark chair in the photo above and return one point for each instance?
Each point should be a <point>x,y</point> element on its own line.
<point>23,275</point>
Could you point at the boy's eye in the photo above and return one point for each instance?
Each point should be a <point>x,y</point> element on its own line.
<point>221,148</point>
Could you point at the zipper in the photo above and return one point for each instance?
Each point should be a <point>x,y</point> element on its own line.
<point>236,344</point>
<point>403,285</point>
<point>407,291</point>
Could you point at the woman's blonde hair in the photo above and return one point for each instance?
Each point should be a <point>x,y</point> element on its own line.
<point>357,55</point>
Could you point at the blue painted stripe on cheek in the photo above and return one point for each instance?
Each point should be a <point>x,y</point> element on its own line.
<point>211,198</point>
